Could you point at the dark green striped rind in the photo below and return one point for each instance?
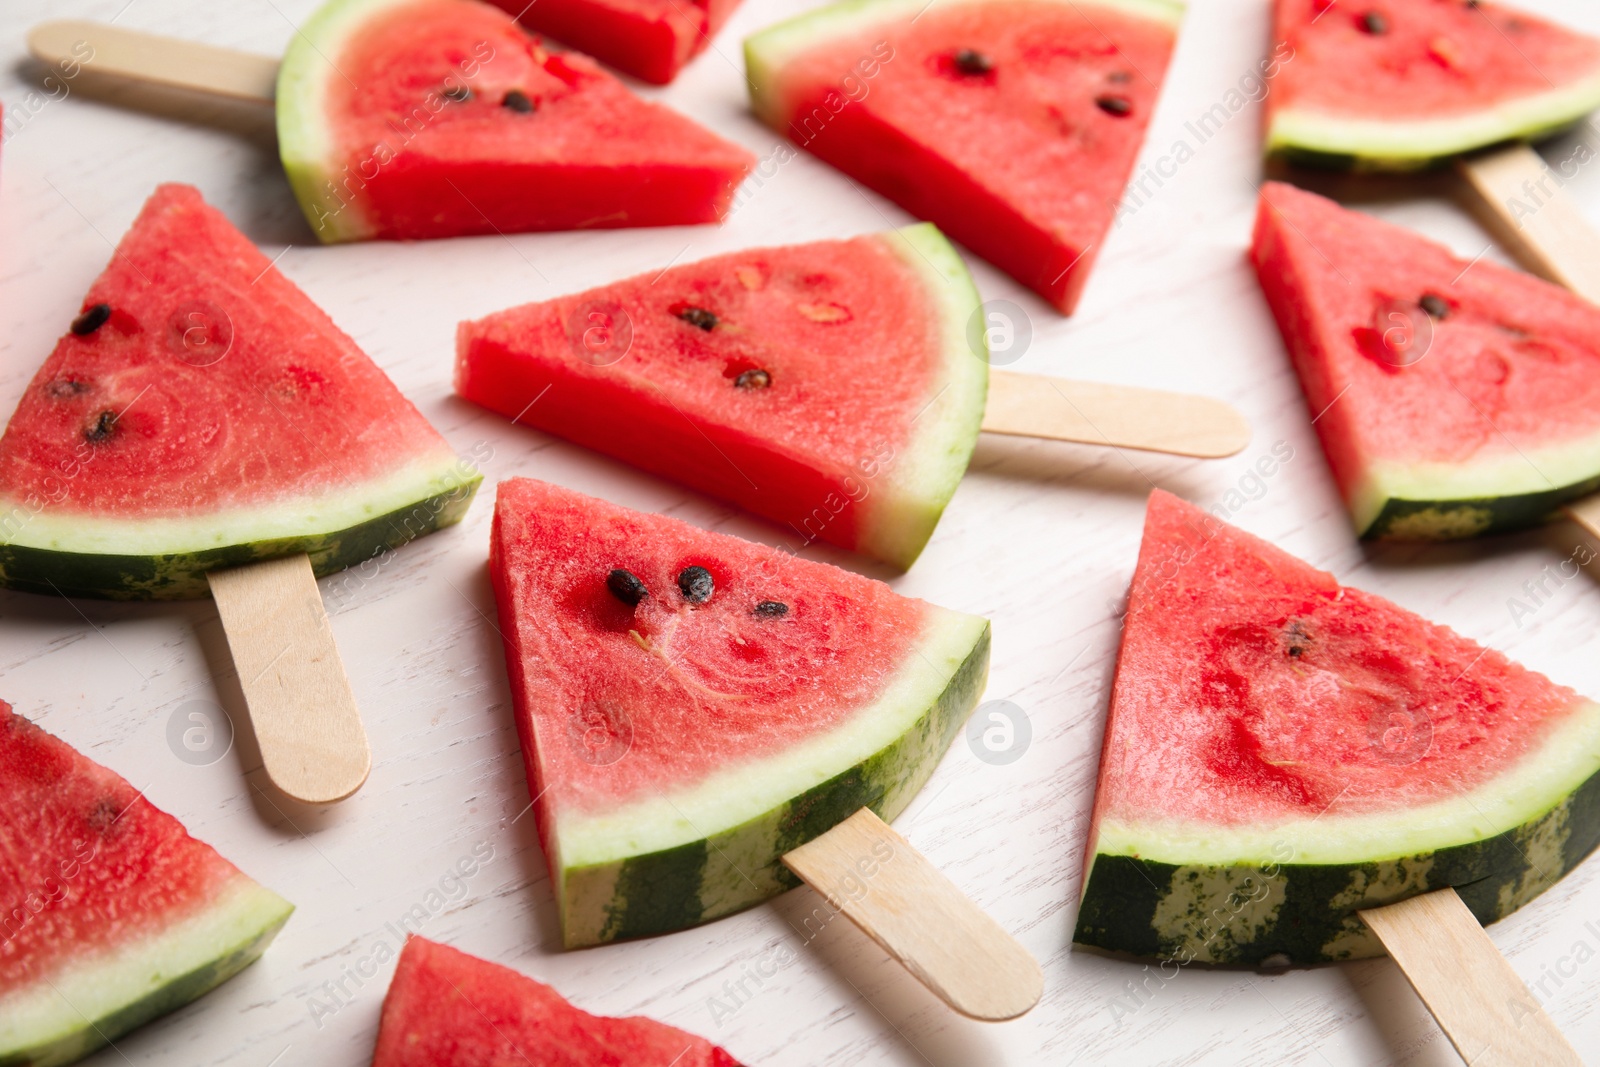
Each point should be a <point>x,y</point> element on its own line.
<point>1285,912</point>
<point>739,867</point>
<point>167,997</point>
<point>1450,520</point>
<point>182,576</point>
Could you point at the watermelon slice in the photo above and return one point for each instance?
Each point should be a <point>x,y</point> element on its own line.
<point>692,706</point>
<point>1283,751</point>
<point>831,387</point>
<point>1012,124</point>
<point>649,39</point>
<point>448,1009</point>
<point>436,118</point>
<point>1452,399</point>
<point>1405,84</point>
<point>113,914</point>
<point>200,413</point>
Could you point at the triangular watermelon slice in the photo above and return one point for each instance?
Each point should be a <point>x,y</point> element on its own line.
<point>836,387</point>
<point>201,412</point>
<point>649,39</point>
<point>114,915</point>
<point>1011,124</point>
<point>1405,84</point>
<point>1453,398</point>
<point>445,1008</point>
<point>1283,751</point>
<point>692,706</point>
<point>436,118</point>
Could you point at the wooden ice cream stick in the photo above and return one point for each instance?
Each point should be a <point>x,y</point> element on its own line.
<point>112,51</point>
<point>1477,999</point>
<point>919,917</point>
<point>304,715</point>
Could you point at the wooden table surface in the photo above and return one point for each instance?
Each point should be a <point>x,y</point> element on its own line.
<point>1041,538</point>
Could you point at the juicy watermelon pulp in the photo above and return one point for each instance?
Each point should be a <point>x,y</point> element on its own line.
<point>1011,124</point>
<point>831,387</point>
<point>202,412</point>
<point>1479,415</point>
<point>738,702</point>
<point>437,118</point>
<point>445,1008</point>
<point>1283,751</point>
<point>113,915</point>
<point>1403,84</point>
<point>649,39</point>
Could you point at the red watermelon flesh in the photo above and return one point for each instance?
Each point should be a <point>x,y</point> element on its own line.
<point>1403,82</point>
<point>828,386</point>
<point>201,404</point>
<point>649,39</point>
<point>436,118</point>
<point>1013,125</point>
<point>445,1008</point>
<point>113,914</point>
<point>1479,416</point>
<point>672,716</point>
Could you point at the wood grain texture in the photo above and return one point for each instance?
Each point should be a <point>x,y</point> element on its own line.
<point>172,62</point>
<point>312,742</point>
<point>1586,513</point>
<point>891,891</point>
<point>1551,235</point>
<point>1489,1015</point>
<point>1149,420</point>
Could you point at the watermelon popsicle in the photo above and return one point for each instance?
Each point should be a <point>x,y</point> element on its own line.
<point>202,427</point>
<point>836,388</point>
<point>405,119</point>
<point>707,721</point>
<point>1285,755</point>
<point>649,39</point>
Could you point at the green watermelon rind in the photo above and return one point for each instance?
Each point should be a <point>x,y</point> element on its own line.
<point>896,524</point>
<point>1373,145</point>
<point>167,559</point>
<point>1222,895</point>
<point>766,53</point>
<point>673,862</point>
<point>83,1009</point>
<point>305,142</point>
<point>1449,501</point>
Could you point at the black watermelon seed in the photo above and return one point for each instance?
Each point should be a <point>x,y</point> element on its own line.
<point>1297,638</point>
<point>700,317</point>
<point>772,609</point>
<point>459,93</point>
<point>626,586</point>
<point>1114,105</point>
<point>753,379</point>
<point>100,431</point>
<point>697,584</point>
<point>1435,306</point>
<point>62,388</point>
<point>1374,23</point>
<point>103,815</point>
<point>91,320</point>
<point>972,63</point>
<point>517,101</point>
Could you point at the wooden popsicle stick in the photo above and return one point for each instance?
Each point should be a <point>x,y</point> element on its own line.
<point>112,51</point>
<point>1029,405</point>
<point>1548,231</point>
<point>1586,513</point>
<point>1477,999</point>
<point>312,742</point>
<point>919,917</point>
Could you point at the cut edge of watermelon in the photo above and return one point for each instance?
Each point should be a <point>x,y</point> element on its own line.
<point>897,524</point>
<point>85,554</point>
<point>94,1002</point>
<point>1309,136</point>
<point>742,813</point>
<point>1446,501</point>
<point>1543,780</point>
<point>768,51</point>
<point>304,140</point>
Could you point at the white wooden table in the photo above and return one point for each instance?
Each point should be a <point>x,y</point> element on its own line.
<point>1041,538</point>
